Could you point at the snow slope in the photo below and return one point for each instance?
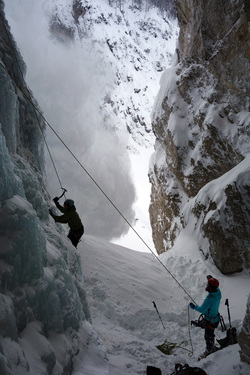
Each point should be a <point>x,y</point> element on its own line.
<point>121,285</point>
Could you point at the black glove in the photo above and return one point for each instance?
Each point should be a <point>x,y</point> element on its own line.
<point>192,306</point>
<point>56,199</point>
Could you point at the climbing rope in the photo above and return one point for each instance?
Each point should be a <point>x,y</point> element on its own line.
<point>189,332</point>
<point>38,112</point>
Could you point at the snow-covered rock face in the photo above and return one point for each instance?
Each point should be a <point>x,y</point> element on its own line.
<point>244,336</point>
<point>38,293</point>
<point>201,122</point>
<point>133,39</point>
<point>200,171</point>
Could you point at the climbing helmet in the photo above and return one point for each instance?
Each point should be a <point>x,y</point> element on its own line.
<point>213,282</point>
<point>69,203</point>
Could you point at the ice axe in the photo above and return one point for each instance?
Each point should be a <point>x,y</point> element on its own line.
<point>64,191</point>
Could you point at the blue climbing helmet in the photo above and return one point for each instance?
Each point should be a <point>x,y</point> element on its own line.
<point>69,203</point>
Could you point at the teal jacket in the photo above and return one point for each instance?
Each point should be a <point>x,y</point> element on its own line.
<point>210,306</point>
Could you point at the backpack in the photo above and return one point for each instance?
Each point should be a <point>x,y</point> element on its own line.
<point>230,339</point>
<point>153,370</point>
<point>187,370</point>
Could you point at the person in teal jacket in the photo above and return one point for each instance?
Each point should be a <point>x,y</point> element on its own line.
<point>210,310</point>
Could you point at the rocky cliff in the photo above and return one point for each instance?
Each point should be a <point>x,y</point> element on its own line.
<point>200,170</point>
<point>201,123</point>
<point>135,53</point>
<point>244,336</point>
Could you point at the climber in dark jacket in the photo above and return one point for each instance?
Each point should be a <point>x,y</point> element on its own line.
<point>70,217</point>
<point>210,310</point>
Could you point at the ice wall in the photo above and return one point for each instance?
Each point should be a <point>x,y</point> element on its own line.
<point>43,304</point>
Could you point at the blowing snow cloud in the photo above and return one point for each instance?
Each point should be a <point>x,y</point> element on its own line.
<point>69,82</point>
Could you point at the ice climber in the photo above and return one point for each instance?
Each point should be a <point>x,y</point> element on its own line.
<point>210,310</point>
<point>70,217</point>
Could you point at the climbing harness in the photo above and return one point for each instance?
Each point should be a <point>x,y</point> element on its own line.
<point>202,322</point>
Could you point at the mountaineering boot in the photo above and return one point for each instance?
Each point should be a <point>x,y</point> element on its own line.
<point>187,370</point>
<point>208,352</point>
<point>204,355</point>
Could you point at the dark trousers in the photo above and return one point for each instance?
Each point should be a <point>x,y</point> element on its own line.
<point>75,236</point>
<point>209,334</point>
<point>209,327</point>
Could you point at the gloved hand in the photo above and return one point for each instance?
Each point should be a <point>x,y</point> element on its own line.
<point>192,306</point>
<point>56,199</point>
